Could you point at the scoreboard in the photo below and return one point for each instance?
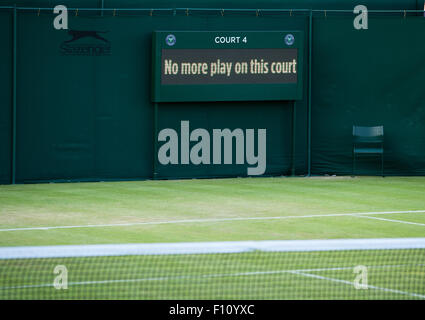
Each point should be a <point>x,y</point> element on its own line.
<point>227,66</point>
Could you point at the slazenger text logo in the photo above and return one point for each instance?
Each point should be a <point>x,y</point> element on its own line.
<point>77,45</point>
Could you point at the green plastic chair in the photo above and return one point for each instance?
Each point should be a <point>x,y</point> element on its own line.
<point>368,141</point>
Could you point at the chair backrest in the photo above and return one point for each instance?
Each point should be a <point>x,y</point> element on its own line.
<point>368,134</point>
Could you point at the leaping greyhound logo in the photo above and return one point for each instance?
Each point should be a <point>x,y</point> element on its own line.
<point>76,34</point>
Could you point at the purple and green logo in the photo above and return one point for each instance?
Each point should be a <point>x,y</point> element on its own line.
<point>170,40</point>
<point>289,39</point>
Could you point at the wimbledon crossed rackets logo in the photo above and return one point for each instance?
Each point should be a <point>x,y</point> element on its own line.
<point>170,40</point>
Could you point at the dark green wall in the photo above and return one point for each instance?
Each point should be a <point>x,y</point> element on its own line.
<point>5,97</point>
<point>90,118</point>
<point>376,77</point>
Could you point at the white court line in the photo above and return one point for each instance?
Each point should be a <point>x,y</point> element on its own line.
<point>416,295</point>
<point>208,220</point>
<point>390,220</point>
<point>190,277</point>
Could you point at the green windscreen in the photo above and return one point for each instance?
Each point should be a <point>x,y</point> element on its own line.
<point>84,108</point>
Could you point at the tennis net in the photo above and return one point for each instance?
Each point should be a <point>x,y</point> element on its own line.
<point>300,269</point>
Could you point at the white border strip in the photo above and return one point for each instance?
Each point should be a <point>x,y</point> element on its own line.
<point>71,251</point>
<point>130,224</point>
